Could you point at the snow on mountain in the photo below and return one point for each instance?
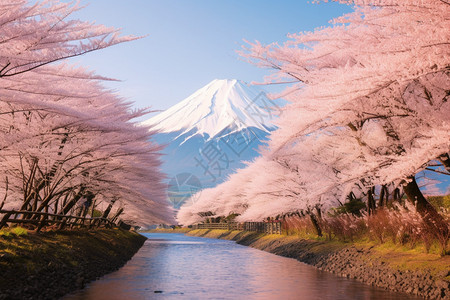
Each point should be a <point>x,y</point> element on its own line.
<point>210,134</point>
<point>221,104</point>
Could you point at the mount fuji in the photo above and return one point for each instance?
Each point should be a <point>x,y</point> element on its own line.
<point>211,133</point>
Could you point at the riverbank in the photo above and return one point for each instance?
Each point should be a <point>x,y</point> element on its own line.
<point>167,230</point>
<point>52,264</point>
<point>389,267</point>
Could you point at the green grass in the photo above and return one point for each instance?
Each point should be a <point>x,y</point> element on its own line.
<point>5,233</point>
<point>305,234</point>
<point>18,231</point>
<point>15,231</point>
<point>404,258</point>
<point>32,263</point>
<point>57,247</point>
<point>440,201</point>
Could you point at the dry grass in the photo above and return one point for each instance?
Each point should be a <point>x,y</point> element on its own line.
<point>399,226</point>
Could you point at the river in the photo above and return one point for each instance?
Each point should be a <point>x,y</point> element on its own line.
<point>175,266</point>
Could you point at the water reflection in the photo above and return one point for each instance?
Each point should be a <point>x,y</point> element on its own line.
<point>174,266</point>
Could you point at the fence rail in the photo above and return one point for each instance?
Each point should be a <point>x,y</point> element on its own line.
<point>42,219</point>
<point>224,226</point>
<point>272,227</point>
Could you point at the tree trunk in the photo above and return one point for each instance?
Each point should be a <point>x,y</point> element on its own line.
<point>396,195</point>
<point>118,213</point>
<point>433,220</point>
<point>445,160</point>
<point>370,201</point>
<point>73,201</point>
<point>80,211</point>
<point>319,212</point>
<point>6,193</point>
<point>315,223</point>
<point>93,208</point>
<point>55,207</point>
<point>416,197</point>
<point>108,209</point>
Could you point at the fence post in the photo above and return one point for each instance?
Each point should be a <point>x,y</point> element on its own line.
<point>41,223</point>
<point>63,223</point>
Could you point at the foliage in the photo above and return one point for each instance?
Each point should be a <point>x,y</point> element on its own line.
<point>361,119</point>
<point>353,206</point>
<point>97,213</point>
<point>231,217</point>
<point>66,142</point>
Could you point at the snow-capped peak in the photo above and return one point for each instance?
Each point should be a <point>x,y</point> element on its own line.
<point>221,104</point>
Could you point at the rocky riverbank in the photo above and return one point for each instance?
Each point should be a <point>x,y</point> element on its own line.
<point>425,275</point>
<point>52,264</point>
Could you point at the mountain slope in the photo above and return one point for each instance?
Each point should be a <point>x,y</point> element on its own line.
<point>221,104</point>
<point>210,134</point>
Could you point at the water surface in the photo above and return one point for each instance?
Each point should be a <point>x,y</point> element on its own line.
<point>175,266</point>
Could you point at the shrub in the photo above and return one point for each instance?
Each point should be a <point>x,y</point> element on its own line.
<point>297,225</point>
<point>401,224</point>
<point>354,206</point>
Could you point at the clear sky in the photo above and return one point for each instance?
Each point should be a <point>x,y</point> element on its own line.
<point>189,43</point>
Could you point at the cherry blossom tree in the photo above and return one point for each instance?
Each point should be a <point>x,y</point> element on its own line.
<point>67,144</point>
<point>394,109</point>
<point>368,104</point>
<point>39,34</point>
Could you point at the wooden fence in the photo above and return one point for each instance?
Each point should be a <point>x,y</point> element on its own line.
<point>43,219</point>
<point>271,227</point>
<point>223,226</point>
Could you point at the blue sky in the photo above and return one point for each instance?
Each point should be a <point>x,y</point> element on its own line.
<point>189,43</point>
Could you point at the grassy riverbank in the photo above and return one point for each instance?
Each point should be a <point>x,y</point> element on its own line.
<point>52,264</point>
<point>167,230</point>
<point>384,265</point>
